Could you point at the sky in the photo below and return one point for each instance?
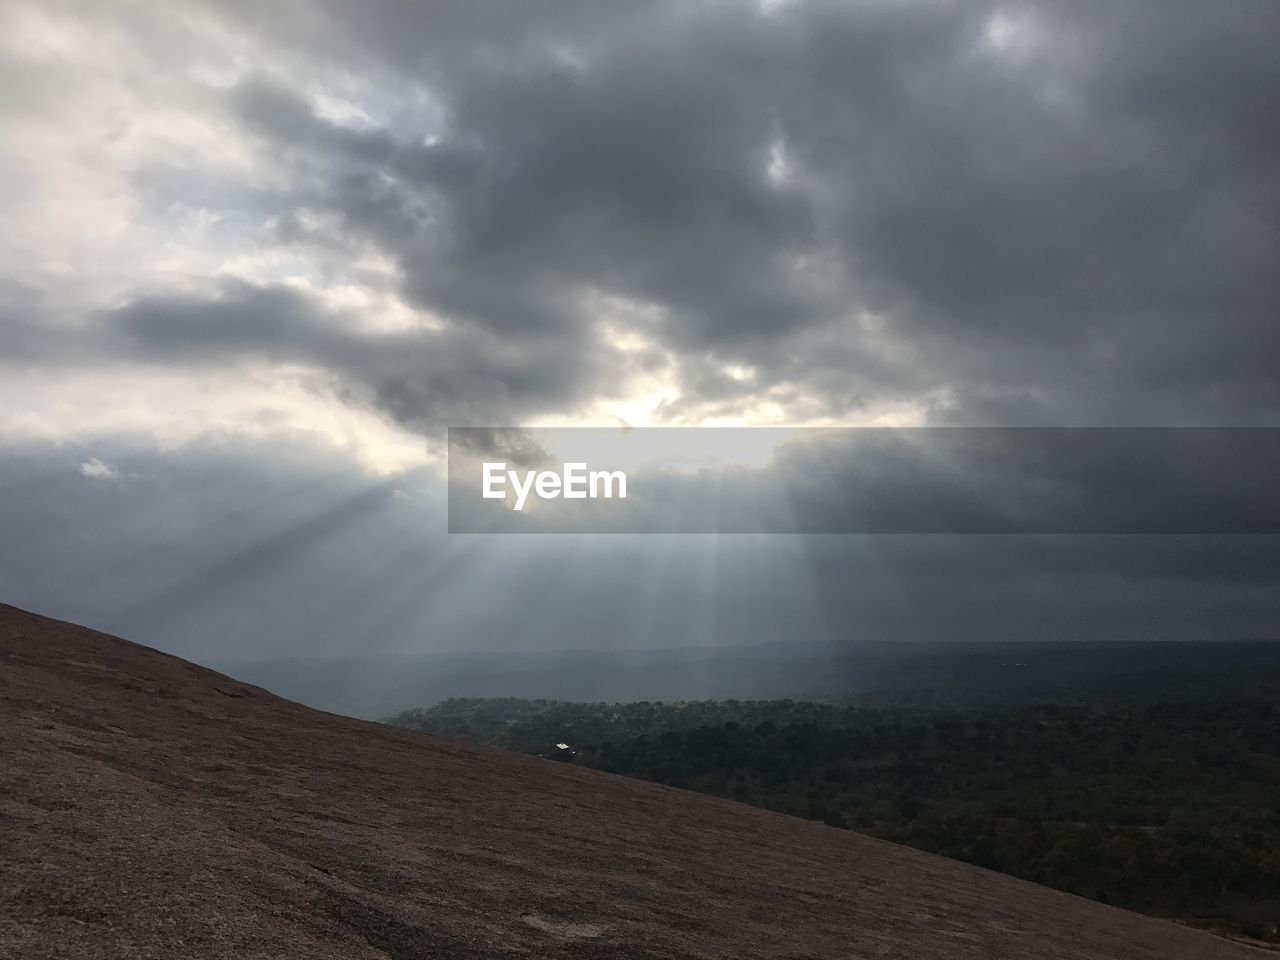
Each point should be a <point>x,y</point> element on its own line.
<point>257,258</point>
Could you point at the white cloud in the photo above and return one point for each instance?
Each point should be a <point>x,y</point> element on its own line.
<point>95,469</point>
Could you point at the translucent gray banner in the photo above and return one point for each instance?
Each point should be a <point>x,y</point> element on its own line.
<point>972,480</point>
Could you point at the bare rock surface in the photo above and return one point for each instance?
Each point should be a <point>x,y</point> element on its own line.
<point>152,808</point>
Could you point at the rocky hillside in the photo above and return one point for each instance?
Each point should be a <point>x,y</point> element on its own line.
<point>152,808</point>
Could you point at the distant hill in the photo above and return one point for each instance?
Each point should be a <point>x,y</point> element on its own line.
<point>885,673</point>
<point>152,808</point>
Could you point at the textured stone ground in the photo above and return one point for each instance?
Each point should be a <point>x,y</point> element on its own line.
<point>151,808</point>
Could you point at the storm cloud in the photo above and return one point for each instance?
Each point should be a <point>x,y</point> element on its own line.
<point>256,228</point>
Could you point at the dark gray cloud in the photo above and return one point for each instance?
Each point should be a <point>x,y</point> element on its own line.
<point>423,378</point>
<point>1050,212</point>
<point>1080,227</point>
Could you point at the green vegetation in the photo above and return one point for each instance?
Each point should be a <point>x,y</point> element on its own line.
<point>1171,808</point>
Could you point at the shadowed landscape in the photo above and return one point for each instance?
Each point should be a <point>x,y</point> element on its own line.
<point>1163,803</point>
<point>153,808</point>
